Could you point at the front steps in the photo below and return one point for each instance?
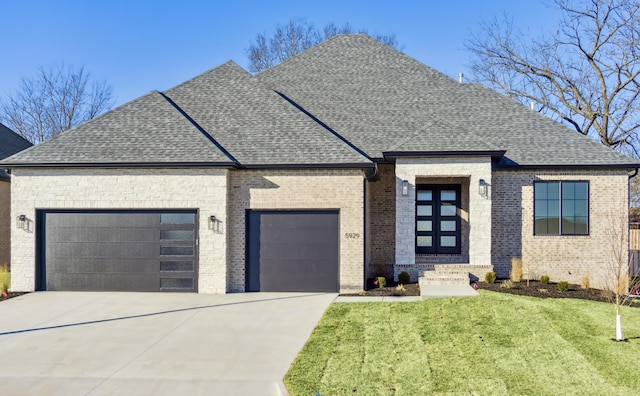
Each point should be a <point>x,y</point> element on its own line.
<point>444,275</point>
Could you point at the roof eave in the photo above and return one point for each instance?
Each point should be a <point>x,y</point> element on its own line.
<point>310,166</point>
<point>567,166</point>
<point>75,165</point>
<point>391,156</point>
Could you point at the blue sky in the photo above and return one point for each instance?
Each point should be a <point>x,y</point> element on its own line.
<point>139,46</point>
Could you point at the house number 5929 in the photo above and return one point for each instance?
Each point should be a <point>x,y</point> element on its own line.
<point>351,235</point>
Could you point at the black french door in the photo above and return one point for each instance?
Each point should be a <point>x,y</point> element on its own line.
<point>438,219</point>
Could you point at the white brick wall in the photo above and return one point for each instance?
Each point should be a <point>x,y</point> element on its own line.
<point>300,189</point>
<point>472,168</point>
<point>202,189</point>
<point>5,221</point>
<point>561,257</point>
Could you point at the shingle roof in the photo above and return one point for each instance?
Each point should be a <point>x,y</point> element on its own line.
<point>11,142</point>
<point>256,124</point>
<point>146,130</point>
<point>342,103</point>
<point>382,100</point>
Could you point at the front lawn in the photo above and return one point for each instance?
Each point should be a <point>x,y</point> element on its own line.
<point>495,344</point>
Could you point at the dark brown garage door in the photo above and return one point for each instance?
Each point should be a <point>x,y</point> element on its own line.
<point>292,251</point>
<point>117,251</point>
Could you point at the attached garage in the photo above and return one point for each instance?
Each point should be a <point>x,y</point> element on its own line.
<point>292,251</point>
<point>123,250</point>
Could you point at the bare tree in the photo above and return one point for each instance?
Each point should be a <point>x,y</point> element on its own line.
<point>585,74</point>
<point>55,100</point>
<point>618,283</point>
<point>294,37</point>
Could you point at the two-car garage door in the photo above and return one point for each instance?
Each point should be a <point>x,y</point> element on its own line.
<point>117,250</point>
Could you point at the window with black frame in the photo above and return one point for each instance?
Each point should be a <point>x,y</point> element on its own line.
<point>561,208</point>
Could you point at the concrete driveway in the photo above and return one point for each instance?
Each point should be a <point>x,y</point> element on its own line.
<point>73,343</point>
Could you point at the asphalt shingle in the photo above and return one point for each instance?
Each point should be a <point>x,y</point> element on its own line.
<point>256,124</point>
<point>146,130</point>
<point>11,142</point>
<point>382,100</point>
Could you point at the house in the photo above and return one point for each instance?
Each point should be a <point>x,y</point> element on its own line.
<point>347,159</point>
<point>10,143</point>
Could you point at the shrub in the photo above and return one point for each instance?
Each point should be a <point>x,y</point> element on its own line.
<point>5,278</point>
<point>543,291</point>
<point>400,288</point>
<point>516,269</point>
<point>490,277</point>
<point>380,281</point>
<point>362,293</point>
<point>506,284</point>
<point>404,278</point>
<point>584,282</point>
<point>563,285</point>
<point>544,279</point>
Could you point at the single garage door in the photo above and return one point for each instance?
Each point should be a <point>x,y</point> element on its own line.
<point>292,251</point>
<point>117,250</point>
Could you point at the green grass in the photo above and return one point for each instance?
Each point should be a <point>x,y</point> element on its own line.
<point>495,344</point>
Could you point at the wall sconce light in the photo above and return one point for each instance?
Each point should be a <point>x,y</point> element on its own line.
<point>484,188</point>
<point>212,219</point>
<point>22,222</point>
<point>405,187</point>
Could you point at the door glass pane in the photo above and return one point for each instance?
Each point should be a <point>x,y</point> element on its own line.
<point>448,241</point>
<point>447,225</point>
<point>448,195</point>
<point>425,195</point>
<point>425,241</point>
<point>447,210</point>
<point>172,266</point>
<point>177,235</point>
<point>424,210</point>
<point>424,225</point>
<point>177,218</point>
<point>176,250</point>
<point>176,283</point>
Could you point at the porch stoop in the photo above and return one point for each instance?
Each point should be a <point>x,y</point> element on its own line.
<point>458,276</point>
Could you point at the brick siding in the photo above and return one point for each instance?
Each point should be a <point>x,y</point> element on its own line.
<point>561,257</point>
<point>299,190</point>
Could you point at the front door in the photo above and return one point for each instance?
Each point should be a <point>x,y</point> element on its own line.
<point>438,219</point>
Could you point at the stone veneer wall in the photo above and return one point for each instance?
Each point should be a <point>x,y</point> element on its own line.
<point>5,221</point>
<point>299,190</point>
<point>561,257</point>
<point>470,168</point>
<point>94,189</point>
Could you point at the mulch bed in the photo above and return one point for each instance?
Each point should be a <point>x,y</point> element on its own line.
<point>535,289</point>
<point>10,295</point>
<point>548,290</point>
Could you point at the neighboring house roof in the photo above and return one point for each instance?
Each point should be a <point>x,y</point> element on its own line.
<point>382,100</point>
<point>348,102</point>
<point>10,143</point>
